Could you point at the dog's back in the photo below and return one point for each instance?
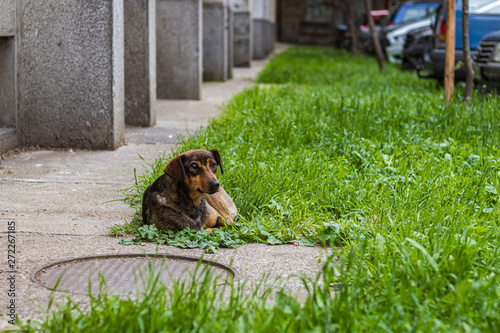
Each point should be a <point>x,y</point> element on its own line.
<point>166,205</point>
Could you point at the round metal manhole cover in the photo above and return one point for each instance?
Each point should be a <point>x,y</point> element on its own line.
<point>127,273</point>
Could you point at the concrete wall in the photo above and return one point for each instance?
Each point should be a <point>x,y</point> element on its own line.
<point>140,62</point>
<point>71,73</point>
<point>215,40</point>
<point>178,49</point>
<point>243,33</point>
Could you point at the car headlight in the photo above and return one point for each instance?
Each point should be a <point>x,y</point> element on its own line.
<point>496,53</point>
<point>401,39</point>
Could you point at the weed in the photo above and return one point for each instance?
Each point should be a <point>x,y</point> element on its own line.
<point>187,238</point>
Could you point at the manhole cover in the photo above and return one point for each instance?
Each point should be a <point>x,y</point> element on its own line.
<point>152,135</point>
<point>125,274</point>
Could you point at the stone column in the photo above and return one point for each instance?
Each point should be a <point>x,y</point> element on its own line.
<point>270,36</point>
<point>71,73</point>
<point>215,40</point>
<point>8,70</point>
<point>140,62</point>
<point>242,33</point>
<point>230,41</point>
<point>259,29</point>
<point>178,49</point>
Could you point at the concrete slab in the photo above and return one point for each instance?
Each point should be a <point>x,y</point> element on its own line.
<point>55,201</point>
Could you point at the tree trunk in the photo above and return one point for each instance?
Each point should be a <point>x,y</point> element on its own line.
<point>352,27</point>
<point>469,72</point>
<point>449,65</point>
<point>375,40</point>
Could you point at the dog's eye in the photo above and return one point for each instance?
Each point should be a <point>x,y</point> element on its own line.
<point>212,164</point>
<point>194,166</point>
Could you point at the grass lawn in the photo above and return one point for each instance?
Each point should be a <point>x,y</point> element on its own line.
<point>333,151</point>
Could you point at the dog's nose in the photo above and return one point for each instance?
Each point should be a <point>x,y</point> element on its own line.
<point>214,185</point>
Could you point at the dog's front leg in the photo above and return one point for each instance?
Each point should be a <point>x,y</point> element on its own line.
<point>213,218</point>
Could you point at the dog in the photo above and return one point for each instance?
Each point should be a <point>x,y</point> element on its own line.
<point>189,195</point>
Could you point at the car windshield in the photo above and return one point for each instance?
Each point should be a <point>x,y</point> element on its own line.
<point>415,13</point>
<point>483,6</point>
<point>494,10</point>
<point>409,12</point>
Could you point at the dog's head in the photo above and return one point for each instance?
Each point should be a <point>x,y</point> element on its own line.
<point>197,169</point>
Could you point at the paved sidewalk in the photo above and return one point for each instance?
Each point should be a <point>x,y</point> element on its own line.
<point>57,199</point>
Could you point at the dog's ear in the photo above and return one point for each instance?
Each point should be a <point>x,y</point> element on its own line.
<point>175,169</point>
<point>216,154</point>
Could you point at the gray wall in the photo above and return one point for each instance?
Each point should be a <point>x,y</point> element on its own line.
<point>71,73</point>
<point>140,62</point>
<point>178,49</point>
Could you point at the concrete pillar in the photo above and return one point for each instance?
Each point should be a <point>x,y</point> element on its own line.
<point>230,42</point>
<point>264,17</point>
<point>140,62</point>
<point>215,40</point>
<point>8,100</point>
<point>178,49</point>
<point>71,73</point>
<point>242,33</point>
<point>270,37</point>
<point>259,28</point>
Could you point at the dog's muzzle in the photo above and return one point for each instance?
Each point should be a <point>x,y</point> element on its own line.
<point>213,186</point>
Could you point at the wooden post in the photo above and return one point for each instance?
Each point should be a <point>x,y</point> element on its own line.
<point>449,66</point>
<point>469,71</point>
<point>352,27</point>
<point>375,40</point>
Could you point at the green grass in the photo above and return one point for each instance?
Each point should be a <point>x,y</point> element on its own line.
<point>333,151</point>
<point>341,146</point>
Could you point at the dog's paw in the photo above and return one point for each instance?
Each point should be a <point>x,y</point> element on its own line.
<point>220,221</point>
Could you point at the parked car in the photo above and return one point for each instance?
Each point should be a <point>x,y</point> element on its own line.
<point>417,48</point>
<point>484,17</point>
<point>393,37</point>
<point>392,29</point>
<point>487,60</point>
<point>410,11</point>
<point>402,14</point>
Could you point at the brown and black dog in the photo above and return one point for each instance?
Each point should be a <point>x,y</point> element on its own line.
<point>188,195</point>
